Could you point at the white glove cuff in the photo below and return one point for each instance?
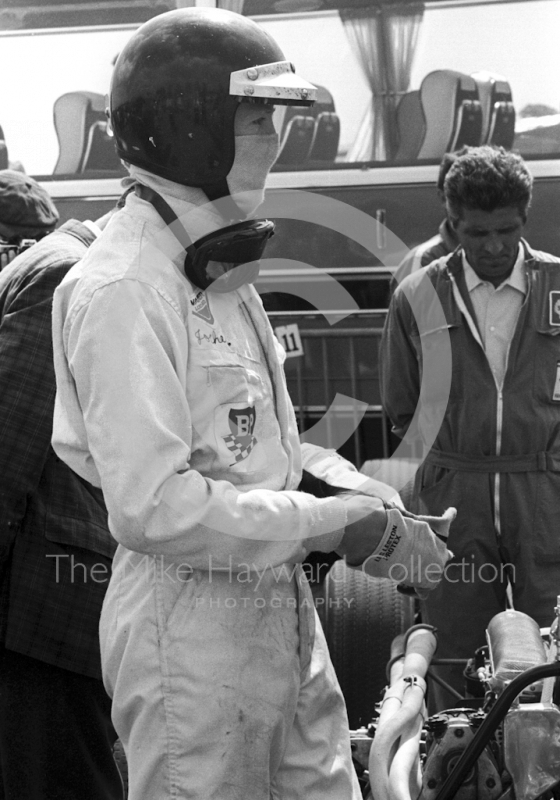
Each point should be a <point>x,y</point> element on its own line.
<point>390,539</point>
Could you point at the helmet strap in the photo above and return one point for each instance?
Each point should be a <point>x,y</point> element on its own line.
<point>166,213</point>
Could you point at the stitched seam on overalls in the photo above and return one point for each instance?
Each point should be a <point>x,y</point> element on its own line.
<point>171,737</point>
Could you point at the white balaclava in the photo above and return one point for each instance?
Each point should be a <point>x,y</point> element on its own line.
<point>254,157</point>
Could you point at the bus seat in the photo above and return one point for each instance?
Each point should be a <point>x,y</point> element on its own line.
<point>100,153</point>
<point>498,112</point>
<point>324,145</point>
<point>324,102</point>
<point>411,126</point>
<point>452,112</point>
<point>83,140</point>
<point>297,140</point>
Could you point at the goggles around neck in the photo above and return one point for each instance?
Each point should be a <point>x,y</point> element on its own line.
<point>223,260</point>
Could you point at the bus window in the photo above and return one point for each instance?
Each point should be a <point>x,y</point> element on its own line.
<point>51,64</point>
<point>378,64</point>
<point>389,75</point>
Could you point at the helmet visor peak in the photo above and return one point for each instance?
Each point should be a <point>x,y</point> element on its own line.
<point>276,83</point>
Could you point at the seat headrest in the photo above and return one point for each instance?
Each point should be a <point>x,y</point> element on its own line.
<point>498,112</point>
<point>411,126</point>
<point>324,146</point>
<point>297,140</point>
<point>452,112</point>
<point>74,113</point>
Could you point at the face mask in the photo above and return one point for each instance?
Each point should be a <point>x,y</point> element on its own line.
<point>254,157</point>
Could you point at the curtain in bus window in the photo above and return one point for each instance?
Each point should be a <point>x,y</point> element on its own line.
<point>232,5</point>
<point>383,38</point>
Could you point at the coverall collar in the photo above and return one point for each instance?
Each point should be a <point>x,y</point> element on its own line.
<point>454,263</point>
<point>517,278</point>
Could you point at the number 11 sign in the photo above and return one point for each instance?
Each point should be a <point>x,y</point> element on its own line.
<point>289,338</point>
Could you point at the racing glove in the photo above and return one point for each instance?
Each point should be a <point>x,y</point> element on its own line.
<point>409,552</point>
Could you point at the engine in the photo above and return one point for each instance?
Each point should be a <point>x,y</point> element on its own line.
<point>502,741</point>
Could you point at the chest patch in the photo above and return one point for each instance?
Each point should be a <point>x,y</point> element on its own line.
<point>554,312</point>
<point>241,441</point>
<point>201,307</point>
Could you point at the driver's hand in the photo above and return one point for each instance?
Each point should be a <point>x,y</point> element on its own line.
<point>410,553</point>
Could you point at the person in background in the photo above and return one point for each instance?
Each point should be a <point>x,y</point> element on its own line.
<point>171,397</point>
<point>496,457</point>
<point>56,735</point>
<point>445,240</point>
<point>27,213</point>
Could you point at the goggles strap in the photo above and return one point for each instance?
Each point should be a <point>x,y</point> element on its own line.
<point>167,214</point>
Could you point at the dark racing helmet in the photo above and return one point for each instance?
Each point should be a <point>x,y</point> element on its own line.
<point>176,87</point>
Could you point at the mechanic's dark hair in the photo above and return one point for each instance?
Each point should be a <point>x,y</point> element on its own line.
<point>486,178</point>
<point>446,163</point>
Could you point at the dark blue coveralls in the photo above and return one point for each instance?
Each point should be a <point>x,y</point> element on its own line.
<point>496,457</point>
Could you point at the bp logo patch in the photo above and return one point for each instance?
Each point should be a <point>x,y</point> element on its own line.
<point>201,307</point>
<point>241,441</point>
<point>554,317</point>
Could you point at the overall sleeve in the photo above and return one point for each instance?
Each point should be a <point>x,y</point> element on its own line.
<point>328,466</point>
<point>399,369</point>
<point>127,354</point>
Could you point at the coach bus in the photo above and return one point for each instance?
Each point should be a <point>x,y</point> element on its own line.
<point>400,82</point>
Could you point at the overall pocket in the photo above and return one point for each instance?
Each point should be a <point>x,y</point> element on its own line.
<point>237,420</point>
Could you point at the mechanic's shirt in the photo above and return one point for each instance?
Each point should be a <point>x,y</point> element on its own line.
<point>497,311</point>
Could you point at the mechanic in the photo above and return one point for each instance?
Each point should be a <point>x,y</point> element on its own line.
<point>496,457</point>
<point>56,735</point>
<point>27,213</point>
<point>172,398</point>
<point>443,243</point>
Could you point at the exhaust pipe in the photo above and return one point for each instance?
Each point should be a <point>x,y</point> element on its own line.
<point>394,767</point>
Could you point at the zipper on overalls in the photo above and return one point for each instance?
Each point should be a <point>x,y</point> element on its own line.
<point>499,426</point>
<point>499,405</point>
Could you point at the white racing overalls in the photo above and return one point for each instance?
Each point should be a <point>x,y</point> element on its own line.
<point>175,403</point>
